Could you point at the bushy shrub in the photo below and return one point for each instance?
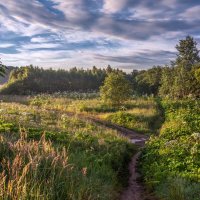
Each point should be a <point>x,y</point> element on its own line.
<point>175,152</point>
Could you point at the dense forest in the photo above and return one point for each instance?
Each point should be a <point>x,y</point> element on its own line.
<point>32,80</point>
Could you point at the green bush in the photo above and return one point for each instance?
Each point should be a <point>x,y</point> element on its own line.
<point>175,152</point>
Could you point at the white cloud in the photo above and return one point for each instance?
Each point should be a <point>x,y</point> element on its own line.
<point>87,57</point>
<point>40,46</point>
<point>112,6</point>
<point>6,45</point>
<point>191,13</point>
<point>46,58</point>
<point>19,27</point>
<point>73,9</point>
<point>28,18</point>
<point>41,39</point>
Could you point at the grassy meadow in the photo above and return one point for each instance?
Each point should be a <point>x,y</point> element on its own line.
<point>138,114</point>
<point>51,137</point>
<point>74,158</point>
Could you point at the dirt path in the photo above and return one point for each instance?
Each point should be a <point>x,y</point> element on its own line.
<point>135,189</point>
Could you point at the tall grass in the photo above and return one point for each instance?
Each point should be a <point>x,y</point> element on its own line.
<point>139,114</point>
<point>34,170</point>
<point>75,160</point>
<point>40,170</point>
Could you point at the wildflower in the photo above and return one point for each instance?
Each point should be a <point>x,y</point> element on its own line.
<point>170,143</point>
<point>24,113</point>
<point>196,136</point>
<point>194,149</point>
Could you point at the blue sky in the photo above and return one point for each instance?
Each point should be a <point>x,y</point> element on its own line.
<point>129,34</point>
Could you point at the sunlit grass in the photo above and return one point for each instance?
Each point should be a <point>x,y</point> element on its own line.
<point>95,158</point>
<point>139,114</point>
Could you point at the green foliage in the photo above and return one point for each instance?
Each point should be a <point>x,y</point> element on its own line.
<point>197,74</point>
<point>34,80</point>
<point>149,80</point>
<point>143,116</point>
<point>180,81</point>
<point>188,54</point>
<point>130,121</point>
<point>139,114</point>
<point>116,89</point>
<point>179,189</point>
<point>39,100</point>
<point>166,79</point>
<point>175,152</point>
<point>6,74</point>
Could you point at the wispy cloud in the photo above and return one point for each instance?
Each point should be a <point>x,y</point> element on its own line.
<point>6,45</point>
<point>40,46</point>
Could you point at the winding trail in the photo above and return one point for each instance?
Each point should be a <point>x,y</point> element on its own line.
<point>135,189</point>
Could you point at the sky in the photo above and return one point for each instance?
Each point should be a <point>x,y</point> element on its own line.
<point>129,34</point>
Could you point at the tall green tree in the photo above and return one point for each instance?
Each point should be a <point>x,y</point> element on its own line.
<point>187,58</point>
<point>180,81</point>
<point>195,87</point>
<point>116,89</point>
<point>188,54</point>
<point>167,80</point>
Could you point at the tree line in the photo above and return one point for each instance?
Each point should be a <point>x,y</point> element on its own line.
<point>34,80</point>
<point>178,80</point>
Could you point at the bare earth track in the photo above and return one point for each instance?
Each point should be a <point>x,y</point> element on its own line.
<point>135,189</point>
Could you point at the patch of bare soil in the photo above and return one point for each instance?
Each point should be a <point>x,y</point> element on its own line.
<point>134,190</point>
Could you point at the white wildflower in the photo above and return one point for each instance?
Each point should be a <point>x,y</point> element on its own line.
<point>196,136</point>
